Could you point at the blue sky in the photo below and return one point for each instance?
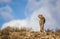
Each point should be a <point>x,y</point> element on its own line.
<point>18,7</point>
<point>24,13</point>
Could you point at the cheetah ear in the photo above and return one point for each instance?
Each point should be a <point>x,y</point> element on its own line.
<point>39,15</point>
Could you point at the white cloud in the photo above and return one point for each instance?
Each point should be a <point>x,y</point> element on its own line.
<point>15,23</point>
<point>6,1</point>
<point>51,23</point>
<point>58,8</point>
<point>6,13</point>
<point>47,9</point>
<point>33,5</point>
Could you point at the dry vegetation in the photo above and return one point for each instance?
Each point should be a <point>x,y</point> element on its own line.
<point>24,33</point>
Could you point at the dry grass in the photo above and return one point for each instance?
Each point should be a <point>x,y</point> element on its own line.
<point>24,33</point>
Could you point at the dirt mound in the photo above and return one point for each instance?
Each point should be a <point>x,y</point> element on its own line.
<point>24,33</point>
